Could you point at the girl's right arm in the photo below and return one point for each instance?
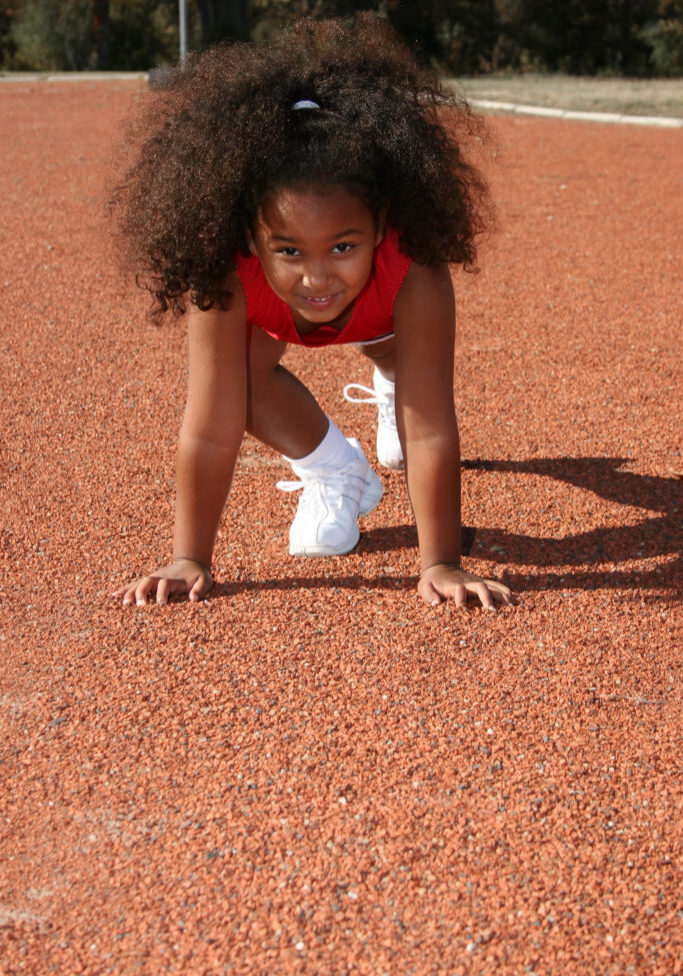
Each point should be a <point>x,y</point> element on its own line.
<point>210,438</point>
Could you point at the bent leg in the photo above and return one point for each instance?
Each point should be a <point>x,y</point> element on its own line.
<point>281,411</point>
<point>338,483</point>
<point>383,355</point>
<point>383,394</point>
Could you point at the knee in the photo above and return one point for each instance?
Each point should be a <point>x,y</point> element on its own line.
<point>263,358</point>
<point>382,354</point>
<point>261,377</point>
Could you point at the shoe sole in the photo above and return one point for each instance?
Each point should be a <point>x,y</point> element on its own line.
<point>392,467</point>
<point>372,495</point>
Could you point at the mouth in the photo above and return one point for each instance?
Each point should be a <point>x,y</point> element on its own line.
<point>324,301</point>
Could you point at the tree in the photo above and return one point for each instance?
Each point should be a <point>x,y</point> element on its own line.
<point>53,35</point>
<point>634,37</point>
<point>101,32</point>
<point>10,10</point>
<point>223,19</point>
<point>587,36</point>
<point>460,35</point>
<point>144,33</point>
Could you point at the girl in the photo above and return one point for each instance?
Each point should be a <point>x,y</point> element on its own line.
<point>313,191</point>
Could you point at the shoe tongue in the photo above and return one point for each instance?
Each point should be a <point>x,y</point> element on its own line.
<point>319,473</point>
<point>322,471</point>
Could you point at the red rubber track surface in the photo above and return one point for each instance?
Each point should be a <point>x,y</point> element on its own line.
<point>312,772</point>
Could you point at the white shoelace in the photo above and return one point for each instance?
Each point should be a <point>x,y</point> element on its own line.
<point>312,502</point>
<point>315,495</point>
<point>385,403</point>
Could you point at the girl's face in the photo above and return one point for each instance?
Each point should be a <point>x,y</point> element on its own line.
<point>316,249</point>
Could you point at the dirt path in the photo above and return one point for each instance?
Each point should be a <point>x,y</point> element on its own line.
<point>312,772</point>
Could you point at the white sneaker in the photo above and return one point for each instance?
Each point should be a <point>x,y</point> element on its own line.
<point>389,452</point>
<point>326,521</point>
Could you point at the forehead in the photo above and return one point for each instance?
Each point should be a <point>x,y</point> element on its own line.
<point>314,213</point>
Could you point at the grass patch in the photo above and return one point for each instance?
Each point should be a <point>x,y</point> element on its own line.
<point>625,96</point>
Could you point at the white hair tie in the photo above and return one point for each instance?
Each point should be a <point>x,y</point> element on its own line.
<point>304,103</point>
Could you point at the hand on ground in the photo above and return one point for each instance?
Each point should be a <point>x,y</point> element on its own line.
<point>182,576</point>
<point>444,581</point>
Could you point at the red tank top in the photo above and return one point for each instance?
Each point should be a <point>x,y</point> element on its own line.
<point>373,311</point>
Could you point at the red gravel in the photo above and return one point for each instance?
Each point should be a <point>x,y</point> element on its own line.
<point>312,772</point>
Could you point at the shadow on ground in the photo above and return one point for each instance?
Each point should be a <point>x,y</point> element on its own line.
<point>657,536</point>
<point>661,535</point>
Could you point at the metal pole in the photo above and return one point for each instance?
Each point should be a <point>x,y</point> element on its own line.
<point>182,12</point>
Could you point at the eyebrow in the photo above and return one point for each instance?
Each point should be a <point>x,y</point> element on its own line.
<point>350,231</point>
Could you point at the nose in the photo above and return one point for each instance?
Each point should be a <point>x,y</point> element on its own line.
<point>315,275</point>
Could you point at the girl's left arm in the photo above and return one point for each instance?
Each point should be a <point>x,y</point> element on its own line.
<point>424,325</point>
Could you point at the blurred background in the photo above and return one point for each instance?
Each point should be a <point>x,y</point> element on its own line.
<point>628,38</point>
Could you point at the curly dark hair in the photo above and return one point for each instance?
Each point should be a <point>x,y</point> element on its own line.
<point>223,134</point>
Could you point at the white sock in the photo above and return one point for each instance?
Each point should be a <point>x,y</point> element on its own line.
<point>333,451</point>
<point>381,383</point>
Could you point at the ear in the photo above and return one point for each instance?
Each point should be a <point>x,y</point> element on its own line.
<point>251,243</point>
<point>381,225</point>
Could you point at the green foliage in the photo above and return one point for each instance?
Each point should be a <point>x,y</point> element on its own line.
<point>270,17</point>
<point>9,13</point>
<point>627,37</point>
<point>52,35</point>
<point>58,35</point>
<point>588,36</point>
<point>144,33</point>
<point>224,19</point>
<point>632,37</point>
<point>665,41</point>
<point>458,35</point>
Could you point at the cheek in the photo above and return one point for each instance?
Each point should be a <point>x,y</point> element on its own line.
<point>280,278</point>
<point>362,268</point>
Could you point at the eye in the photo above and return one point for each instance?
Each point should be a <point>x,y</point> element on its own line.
<point>288,252</point>
<point>342,248</point>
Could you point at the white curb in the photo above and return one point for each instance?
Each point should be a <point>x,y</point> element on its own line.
<point>563,113</point>
<point>28,77</point>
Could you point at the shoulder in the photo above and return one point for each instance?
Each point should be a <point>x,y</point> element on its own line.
<point>426,287</point>
<point>424,325</point>
<point>217,324</point>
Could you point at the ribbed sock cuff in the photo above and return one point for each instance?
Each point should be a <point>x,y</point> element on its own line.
<point>334,451</point>
<point>381,383</point>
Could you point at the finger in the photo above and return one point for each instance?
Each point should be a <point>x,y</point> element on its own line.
<point>169,586</point>
<point>144,588</point>
<point>200,588</point>
<point>460,595</point>
<point>127,593</point>
<point>195,593</point>
<point>429,593</point>
<point>500,592</point>
<point>482,591</point>
<point>163,589</point>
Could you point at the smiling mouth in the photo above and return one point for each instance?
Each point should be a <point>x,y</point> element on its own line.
<point>319,302</point>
